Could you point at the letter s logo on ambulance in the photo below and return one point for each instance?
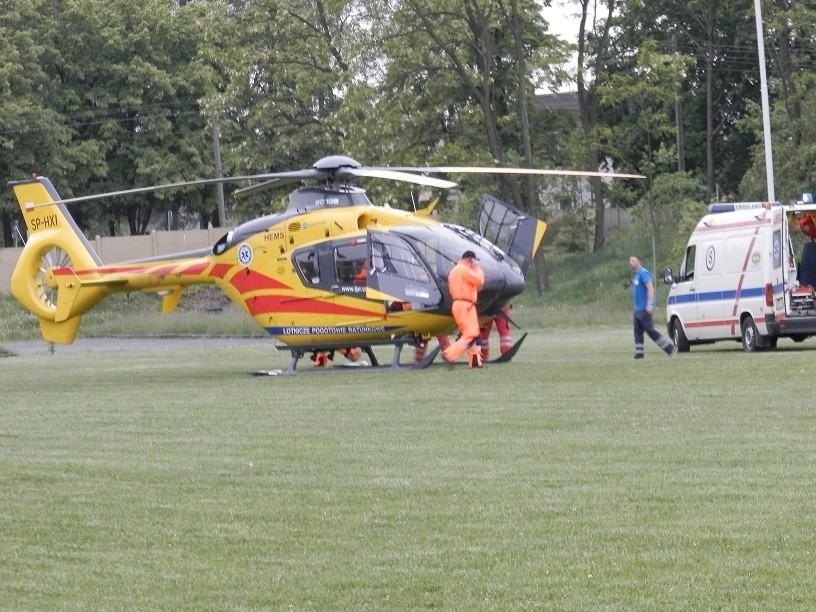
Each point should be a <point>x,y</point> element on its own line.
<point>710,258</point>
<point>245,254</point>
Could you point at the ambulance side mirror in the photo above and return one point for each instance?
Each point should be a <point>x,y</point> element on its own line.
<point>668,277</point>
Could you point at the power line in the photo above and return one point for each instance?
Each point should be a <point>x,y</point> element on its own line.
<point>103,116</point>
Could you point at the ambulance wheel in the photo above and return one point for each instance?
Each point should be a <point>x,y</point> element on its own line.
<point>679,337</point>
<point>752,341</point>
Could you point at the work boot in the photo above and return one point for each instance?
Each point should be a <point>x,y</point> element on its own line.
<point>352,354</point>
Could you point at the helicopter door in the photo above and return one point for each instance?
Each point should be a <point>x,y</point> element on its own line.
<point>397,273</point>
<point>512,230</point>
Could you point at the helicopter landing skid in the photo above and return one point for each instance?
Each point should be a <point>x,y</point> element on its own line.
<point>299,353</point>
<point>505,358</point>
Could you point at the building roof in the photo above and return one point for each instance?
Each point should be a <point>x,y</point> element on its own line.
<point>567,101</point>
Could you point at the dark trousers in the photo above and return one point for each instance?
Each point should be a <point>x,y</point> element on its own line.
<point>642,323</point>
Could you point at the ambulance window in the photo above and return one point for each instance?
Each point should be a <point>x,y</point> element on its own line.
<point>777,249</point>
<point>687,269</point>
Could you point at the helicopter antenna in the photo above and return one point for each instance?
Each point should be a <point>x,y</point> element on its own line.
<point>413,200</point>
<point>16,230</point>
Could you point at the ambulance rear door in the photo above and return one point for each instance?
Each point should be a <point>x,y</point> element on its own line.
<point>776,281</point>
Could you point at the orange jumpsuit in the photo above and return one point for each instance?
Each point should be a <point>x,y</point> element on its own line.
<point>464,283</point>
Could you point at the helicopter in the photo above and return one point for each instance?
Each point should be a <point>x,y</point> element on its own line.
<point>331,272</point>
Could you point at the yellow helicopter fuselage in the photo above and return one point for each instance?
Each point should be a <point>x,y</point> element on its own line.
<point>59,277</point>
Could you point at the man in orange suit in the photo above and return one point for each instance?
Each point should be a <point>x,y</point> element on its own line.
<point>464,283</point>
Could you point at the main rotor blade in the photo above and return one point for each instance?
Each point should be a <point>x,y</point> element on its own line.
<point>293,175</point>
<point>506,170</point>
<point>396,175</point>
<point>270,184</point>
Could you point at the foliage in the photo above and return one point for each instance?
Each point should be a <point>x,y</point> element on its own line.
<point>573,230</point>
<point>671,209</point>
<point>103,95</point>
<point>794,150</point>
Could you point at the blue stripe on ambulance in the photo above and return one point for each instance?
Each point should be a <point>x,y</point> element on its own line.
<point>715,296</point>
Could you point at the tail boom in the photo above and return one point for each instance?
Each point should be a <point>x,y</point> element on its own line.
<point>59,276</point>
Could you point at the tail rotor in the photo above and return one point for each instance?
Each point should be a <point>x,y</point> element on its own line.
<point>47,289</point>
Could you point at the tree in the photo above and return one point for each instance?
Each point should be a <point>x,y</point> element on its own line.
<point>284,70</point>
<point>641,101</point>
<point>593,47</point>
<point>31,134</point>
<point>789,28</point>
<point>720,83</point>
<point>469,67</point>
<point>128,84</point>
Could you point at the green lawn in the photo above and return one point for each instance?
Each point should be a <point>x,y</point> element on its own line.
<point>574,478</point>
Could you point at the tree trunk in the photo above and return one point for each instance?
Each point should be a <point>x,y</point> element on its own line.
<point>541,276</point>
<point>678,123</point>
<point>588,105</point>
<point>8,236</point>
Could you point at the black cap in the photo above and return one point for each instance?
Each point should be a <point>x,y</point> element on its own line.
<point>469,255</point>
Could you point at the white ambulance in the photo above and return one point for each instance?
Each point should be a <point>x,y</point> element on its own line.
<point>748,274</point>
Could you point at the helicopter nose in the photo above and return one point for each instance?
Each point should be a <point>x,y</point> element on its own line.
<point>513,285</point>
<point>502,284</point>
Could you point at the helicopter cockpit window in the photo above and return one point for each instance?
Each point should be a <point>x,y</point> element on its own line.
<point>400,271</point>
<point>350,262</point>
<point>221,245</point>
<point>441,250</point>
<point>397,259</point>
<point>307,265</point>
<point>498,223</point>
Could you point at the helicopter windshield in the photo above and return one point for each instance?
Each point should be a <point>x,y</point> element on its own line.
<point>441,251</point>
<point>398,271</point>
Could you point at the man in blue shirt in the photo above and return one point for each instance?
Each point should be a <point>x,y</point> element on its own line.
<point>643,292</point>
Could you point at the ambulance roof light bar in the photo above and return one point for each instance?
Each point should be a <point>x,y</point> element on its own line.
<point>722,207</point>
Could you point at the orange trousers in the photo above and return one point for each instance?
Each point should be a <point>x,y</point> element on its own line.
<point>505,338</point>
<point>467,320</point>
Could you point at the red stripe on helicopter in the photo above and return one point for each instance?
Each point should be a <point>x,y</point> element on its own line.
<point>111,270</point>
<point>252,281</point>
<point>278,303</point>
<point>67,272</point>
<point>220,270</point>
<point>195,269</point>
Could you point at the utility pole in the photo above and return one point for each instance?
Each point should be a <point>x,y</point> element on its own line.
<point>766,113</point>
<point>219,187</point>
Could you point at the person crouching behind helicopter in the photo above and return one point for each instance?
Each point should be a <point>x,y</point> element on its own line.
<point>503,327</point>
<point>464,283</point>
<point>421,349</point>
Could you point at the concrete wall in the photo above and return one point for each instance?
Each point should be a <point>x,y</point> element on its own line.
<point>126,248</point>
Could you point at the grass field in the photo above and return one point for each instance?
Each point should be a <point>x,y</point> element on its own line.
<point>573,478</point>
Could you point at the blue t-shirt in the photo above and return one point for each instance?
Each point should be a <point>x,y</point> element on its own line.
<point>639,290</point>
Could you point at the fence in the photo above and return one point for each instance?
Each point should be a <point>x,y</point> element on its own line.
<point>116,249</point>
